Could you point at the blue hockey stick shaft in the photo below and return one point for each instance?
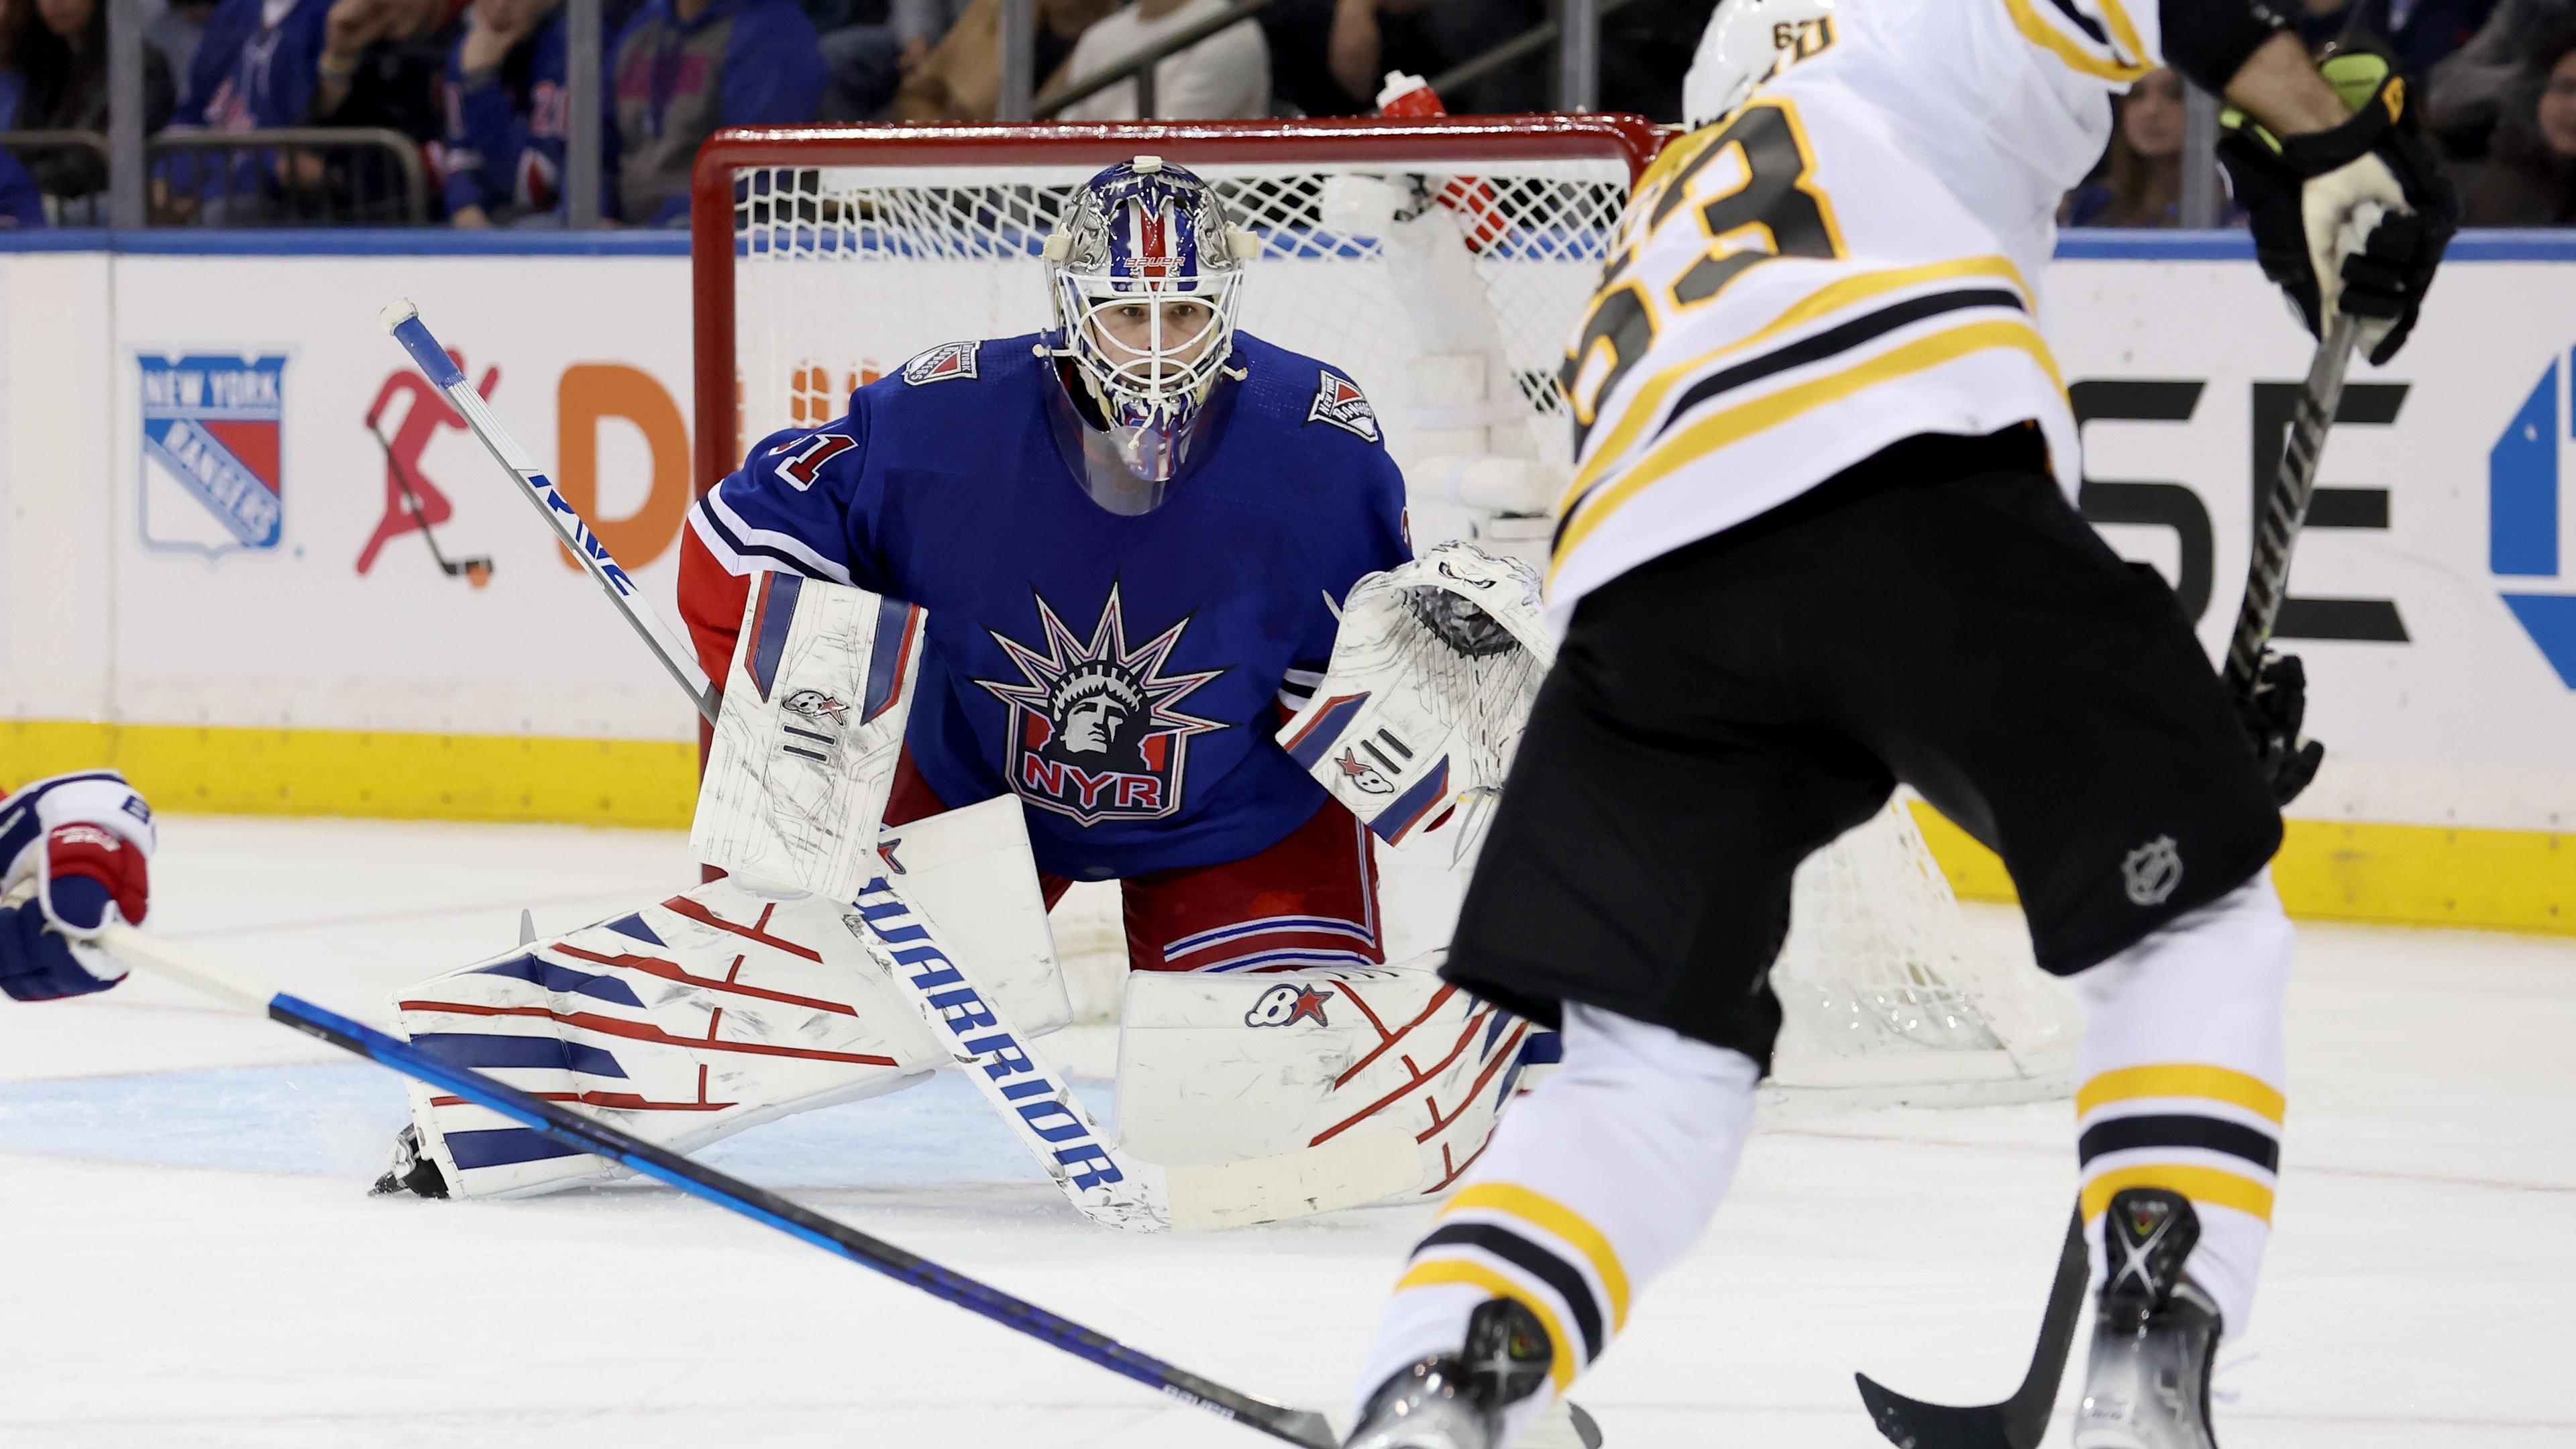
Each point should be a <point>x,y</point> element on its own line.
<point>402,320</point>
<point>1296,1426</point>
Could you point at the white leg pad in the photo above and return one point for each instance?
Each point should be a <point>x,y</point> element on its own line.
<point>1223,1068</point>
<point>717,1010</point>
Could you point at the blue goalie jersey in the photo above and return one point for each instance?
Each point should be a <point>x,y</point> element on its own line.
<point>1123,674</point>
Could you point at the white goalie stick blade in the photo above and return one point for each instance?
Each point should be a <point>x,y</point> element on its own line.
<point>1433,672</point>
<point>1350,1172</point>
<point>804,755</point>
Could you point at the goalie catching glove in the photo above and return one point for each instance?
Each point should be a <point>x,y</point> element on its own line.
<point>2353,219</point>
<point>1433,672</point>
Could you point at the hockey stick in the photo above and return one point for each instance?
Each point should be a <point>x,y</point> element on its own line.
<point>146,953</point>
<point>402,319</point>
<point>475,571</point>
<point>2020,1421</point>
<point>1022,1089</point>
<point>2294,483</point>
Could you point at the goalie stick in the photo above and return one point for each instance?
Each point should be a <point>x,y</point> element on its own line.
<point>1121,1192</point>
<point>2021,1421</point>
<point>146,953</point>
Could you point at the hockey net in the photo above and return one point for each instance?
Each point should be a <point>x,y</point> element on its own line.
<point>1440,265</point>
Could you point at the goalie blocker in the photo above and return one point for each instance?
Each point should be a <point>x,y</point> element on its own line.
<point>2072,725</point>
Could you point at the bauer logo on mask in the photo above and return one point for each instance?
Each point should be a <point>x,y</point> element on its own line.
<point>1094,731</point>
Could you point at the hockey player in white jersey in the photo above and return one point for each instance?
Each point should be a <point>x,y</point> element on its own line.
<point>1821,540</point>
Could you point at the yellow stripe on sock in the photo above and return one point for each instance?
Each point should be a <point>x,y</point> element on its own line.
<point>2184,1079</point>
<point>1567,1224</point>
<point>1434,1272</point>
<point>2200,1184</point>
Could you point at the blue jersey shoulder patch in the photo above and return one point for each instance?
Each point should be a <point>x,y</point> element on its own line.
<point>942,363</point>
<point>1338,401</point>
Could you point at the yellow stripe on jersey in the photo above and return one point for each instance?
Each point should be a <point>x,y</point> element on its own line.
<point>1568,1225</point>
<point>1733,425</point>
<point>2200,1184</point>
<point>1434,1272</point>
<point>2057,43</point>
<point>1828,298</point>
<point>2184,1079</point>
<point>2124,32</point>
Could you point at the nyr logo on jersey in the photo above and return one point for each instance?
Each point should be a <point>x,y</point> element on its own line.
<point>1095,732</point>
<point>939,364</point>
<point>1338,401</point>
<point>211,480</point>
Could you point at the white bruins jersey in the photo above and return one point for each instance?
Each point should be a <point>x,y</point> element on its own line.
<point>1849,259</point>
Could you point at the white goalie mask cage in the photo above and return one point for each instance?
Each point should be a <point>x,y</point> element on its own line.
<point>1146,276</point>
<point>1438,268</point>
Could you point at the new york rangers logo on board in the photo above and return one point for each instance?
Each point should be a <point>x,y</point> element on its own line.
<point>1338,401</point>
<point>212,478</point>
<point>947,360</point>
<point>1095,731</point>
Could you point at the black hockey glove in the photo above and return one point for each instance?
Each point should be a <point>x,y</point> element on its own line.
<point>2308,198</point>
<point>2272,717</point>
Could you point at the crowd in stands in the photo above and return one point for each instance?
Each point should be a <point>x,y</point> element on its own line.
<point>476,88</point>
<point>2496,80</point>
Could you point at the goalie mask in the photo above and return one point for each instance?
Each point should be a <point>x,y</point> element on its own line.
<point>1145,271</point>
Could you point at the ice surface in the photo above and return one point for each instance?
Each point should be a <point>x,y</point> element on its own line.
<point>187,1257</point>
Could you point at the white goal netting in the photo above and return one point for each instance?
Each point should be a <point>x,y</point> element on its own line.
<point>1445,288</point>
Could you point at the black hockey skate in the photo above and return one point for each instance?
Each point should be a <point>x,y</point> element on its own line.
<point>410,1171</point>
<point>2155,1333</point>
<point>1456,1401</point>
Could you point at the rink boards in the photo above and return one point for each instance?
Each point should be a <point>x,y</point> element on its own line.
<point>192,491</point>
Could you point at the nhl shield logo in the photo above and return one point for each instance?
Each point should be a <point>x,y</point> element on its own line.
<point>2152,871</point>
<point>212,481</point>
<point>1095,732</point>
<point>1338,401</point>
<point>947,360</point>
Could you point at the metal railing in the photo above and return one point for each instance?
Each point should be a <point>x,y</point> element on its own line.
<point>288,176</point>
<point>84,207</point>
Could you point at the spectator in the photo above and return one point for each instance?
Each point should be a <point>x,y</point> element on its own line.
<point>256,65</point>
<point>506,104</point>
<point>1429,37</point>
<point>65,61</point>
<point>868,58</point>
<point>2528,177</point>
<point>382,64</point>
<point>961,79</point>
<point>2415,34</point>
<point>682,70</point>
<point>176,31</point>
<point>1227,74</point>
<point>2141,180</point>
<point>13,81</point>
<point>21,205</point>
<point>2490,77</point>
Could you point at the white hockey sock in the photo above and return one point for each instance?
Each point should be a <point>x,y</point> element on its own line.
<point>1597,1181</point>
<point>2181,1076</point>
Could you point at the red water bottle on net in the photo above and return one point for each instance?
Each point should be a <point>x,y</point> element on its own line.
<point>1472,198</point>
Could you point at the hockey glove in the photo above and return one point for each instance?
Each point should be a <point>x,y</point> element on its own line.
<point>2353,219</point>
<point>2273,717</point>
<point>83,842</point>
